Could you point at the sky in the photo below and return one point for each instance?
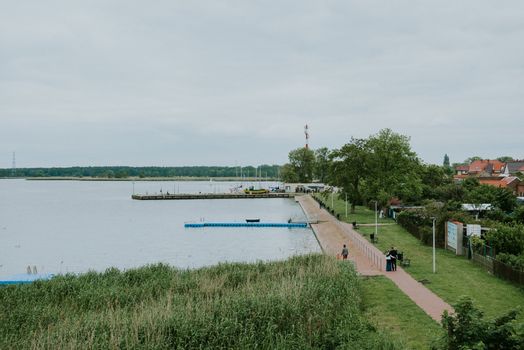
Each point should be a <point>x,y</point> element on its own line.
<point>174,83</point>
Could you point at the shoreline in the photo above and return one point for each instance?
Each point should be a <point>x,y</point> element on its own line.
<point>182,178</point>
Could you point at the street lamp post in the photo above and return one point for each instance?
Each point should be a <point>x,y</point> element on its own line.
<point>376,220</point>
<point>434,257</point>
<point>346,205</point>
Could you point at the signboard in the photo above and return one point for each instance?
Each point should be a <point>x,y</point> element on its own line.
<point>473,230</point>
<point>452,235</point>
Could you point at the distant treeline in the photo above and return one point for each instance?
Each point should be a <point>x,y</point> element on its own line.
<point>271,171</point>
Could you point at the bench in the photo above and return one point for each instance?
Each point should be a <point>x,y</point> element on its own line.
<point>405,262</point>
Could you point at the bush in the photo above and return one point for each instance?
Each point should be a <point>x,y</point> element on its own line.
<point>515,261</point>
<point>467,329</point>
<point>507,239</point>
<point>419,224</point>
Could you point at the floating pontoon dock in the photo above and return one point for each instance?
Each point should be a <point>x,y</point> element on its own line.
<point>25,278</point>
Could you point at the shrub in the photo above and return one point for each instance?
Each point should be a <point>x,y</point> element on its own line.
<point>507,239</point>
<point>467,329</point>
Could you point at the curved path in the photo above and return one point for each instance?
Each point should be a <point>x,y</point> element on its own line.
<point>369,261</point>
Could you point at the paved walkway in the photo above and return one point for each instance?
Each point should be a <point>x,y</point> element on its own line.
<point>369,261</point>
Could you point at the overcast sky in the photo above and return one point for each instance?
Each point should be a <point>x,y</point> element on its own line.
<point>234,82</point>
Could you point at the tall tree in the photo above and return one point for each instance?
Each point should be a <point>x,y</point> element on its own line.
<point>432,177</point>
<point>446,161</point>
<point>321,164</point>
<point>393,168</point>
<point>288,174</point>
<point>348,170</point>
<point>303,162</point>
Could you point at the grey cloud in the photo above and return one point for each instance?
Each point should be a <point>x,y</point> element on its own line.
<point>248,75</point>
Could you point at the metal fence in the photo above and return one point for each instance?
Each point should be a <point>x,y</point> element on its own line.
<point>485,257</point>
<point>507,272</point>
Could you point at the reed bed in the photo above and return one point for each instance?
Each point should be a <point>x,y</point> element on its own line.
<point>305,302</point>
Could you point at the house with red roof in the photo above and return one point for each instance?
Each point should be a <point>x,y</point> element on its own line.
<point>486,167</point>
<point>512,183</point>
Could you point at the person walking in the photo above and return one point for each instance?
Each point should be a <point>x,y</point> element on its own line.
<point>393,253</point>
<point>345,252</point>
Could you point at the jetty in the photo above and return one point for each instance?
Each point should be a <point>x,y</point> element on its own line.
<point>188,196</point>
<point>247,224</point>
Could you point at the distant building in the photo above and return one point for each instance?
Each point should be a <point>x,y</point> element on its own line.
<point>512,168</point>
<point>512,183</point>
<point>486,167</point>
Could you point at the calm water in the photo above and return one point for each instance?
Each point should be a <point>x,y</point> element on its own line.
<point>75,226</point>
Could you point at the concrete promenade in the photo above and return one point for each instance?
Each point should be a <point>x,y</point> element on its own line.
<point>369,261</point>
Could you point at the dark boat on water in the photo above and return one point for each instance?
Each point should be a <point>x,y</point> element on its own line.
<point>252,220</point>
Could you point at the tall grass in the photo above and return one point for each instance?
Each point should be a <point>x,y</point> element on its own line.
<point>305,302</point>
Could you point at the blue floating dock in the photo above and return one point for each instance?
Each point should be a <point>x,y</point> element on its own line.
<point>248,224</point>
<point>26,278</point>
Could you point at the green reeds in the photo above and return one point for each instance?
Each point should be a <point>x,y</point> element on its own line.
<point>305,302</point>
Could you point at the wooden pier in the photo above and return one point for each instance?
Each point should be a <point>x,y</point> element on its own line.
<point>210,196</point>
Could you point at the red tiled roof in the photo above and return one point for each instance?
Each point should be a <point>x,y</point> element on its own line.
<point>462,168</point>
<point>478,166</point>
<point>507,180</point>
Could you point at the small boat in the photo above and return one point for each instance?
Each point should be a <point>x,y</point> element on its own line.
<point>252,220</point>
<point>251,190</point>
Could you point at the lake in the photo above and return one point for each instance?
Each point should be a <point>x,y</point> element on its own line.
<point>76,226</point>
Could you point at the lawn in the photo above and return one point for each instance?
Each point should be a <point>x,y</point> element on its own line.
<point>362,215</point>
<point>391,310</point>
<point>455,276</point>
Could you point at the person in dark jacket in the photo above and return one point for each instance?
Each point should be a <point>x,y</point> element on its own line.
<point>393,253</point>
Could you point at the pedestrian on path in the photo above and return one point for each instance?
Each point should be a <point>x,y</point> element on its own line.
<point>393,253</point>
<point>345,252</point>
<point>388,261</point>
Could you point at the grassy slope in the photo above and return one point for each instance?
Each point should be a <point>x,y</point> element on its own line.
<point>362,215</point>
<point>391,310</point>
<point>305,302</point>
<point>455,275</point>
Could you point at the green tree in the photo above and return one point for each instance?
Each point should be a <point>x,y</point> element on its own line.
<point>505,159</point>
<point>392,168</point>
<point>467,329</point>
<point>446,161</point>
<point>321,164</point>
<point>432,178</point>
<point>303,162</point>
<point>348,169</point>
<point>501,198</point>
<point>472,159</point>
<point>507,239</point>
<point>288,174</point>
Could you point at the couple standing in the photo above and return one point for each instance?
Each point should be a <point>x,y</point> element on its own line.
<point>391,259</point>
